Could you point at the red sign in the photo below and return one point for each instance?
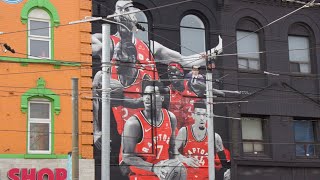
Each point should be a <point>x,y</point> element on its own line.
<point>32,174</point>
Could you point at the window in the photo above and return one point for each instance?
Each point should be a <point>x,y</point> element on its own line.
<point>247,43</point>
<point>39,127</point>
<point>252,135</point>
<point>143,21</point>
<point>192,35</point>
<point>39,35</point>
<point>40,17</point>
<point>305,135</point>
<point>299,54</point>
<point>40,119</point>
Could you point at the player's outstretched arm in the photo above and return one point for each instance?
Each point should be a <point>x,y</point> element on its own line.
<point>165,55</point>
<point>96,40</point>
<point>218,142</point>
<point>220,151</point>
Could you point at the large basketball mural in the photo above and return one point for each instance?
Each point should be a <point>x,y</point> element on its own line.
<point>158,125</point>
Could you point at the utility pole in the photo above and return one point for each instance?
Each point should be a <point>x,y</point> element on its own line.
<point>75,130</point>
<point>105,60</point>
<point>105,152</point>
<point>210,121</point>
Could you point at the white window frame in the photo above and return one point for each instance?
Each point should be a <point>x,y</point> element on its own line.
<point>37,120</point>
<point>259,142</point>
<point>39,38</point>
<point>308,62</point>
<point>245,57</point>
<point>202,29</point>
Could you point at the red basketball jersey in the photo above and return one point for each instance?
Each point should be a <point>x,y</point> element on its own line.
<point>145,57</point>
<point>187,92</point>
<point>154,144</point>
<point>198,149</point>
<point>181,104</point>
<point>176,105</point>
<point>133,91</point>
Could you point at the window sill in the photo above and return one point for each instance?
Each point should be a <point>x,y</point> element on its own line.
<point>255,156</point>
<point>34,156</point>
<point>40,156</point>
<point>308,158</point>
<point>250,71</point>
<point>299,74</point>
<point>26,61</point>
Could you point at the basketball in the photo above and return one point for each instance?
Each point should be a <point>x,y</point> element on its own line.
<point>175,170</point>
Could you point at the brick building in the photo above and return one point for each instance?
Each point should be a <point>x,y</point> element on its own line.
<point>277,133</point>
<point>278,136</point>
<point>35,93</point>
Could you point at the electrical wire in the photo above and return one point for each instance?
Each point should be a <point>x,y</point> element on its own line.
<point>188,1</point>
<point>264,26</point>
<point>224,142</point>
<point>222,117</point>
<point>218,55</point>
<point>61,25</point>
<point>224,83</point>
<point>150,9</point>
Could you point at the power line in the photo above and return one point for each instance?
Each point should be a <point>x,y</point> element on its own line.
<point>226,83</point>
<point>186,47</point>
<point>26,30</point>
<point>240,39</point>
<point>86,134</point>
<point>238,85</point>
<point>149,9</point>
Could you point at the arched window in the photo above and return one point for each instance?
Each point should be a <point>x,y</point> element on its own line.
<point>248,45</point>
<point>299,49</point>
<point>39,37</point>
<point>39,17</point>
<point>192,35</point>
<point>40,104</point>
<point>143,21</point>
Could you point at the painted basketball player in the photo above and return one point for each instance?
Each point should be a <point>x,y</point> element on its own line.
<point>192,143</point>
